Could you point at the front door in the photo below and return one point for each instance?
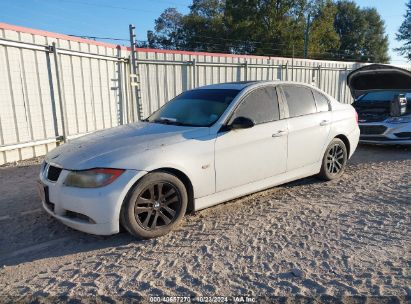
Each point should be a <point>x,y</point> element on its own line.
<point>244,156</point>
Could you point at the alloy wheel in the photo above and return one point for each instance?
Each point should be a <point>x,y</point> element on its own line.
<point>335,159</point>
<point>157,206</point>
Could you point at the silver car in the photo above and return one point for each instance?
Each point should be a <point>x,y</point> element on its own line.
<point>204,147</point>
<point>375,89</point>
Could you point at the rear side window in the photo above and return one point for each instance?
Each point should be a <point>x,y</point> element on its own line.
<point>300,100</point>
<point>322,101</point>
<point>260,106</point>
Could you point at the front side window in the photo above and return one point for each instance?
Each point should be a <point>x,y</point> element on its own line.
<point>261,106</point>
<point>300,100</point>
<point>199,108</point>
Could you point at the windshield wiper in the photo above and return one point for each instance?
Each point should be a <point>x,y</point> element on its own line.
<point>170,121</point>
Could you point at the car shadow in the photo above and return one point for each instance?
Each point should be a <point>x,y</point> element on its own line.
<point>304,181</point>
<point>28,233</point>
<point>72,242</point>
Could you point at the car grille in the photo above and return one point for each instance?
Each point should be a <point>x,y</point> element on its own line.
<point>403,134</point>
<point>53,173</point>
<point>372,130</point>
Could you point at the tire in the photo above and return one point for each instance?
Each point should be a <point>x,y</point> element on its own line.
<point>334,160</point>
<point>155,206</point>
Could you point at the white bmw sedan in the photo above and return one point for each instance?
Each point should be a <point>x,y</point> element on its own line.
<point>204,147</point>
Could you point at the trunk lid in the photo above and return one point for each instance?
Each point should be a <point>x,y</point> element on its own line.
<point>374,88</point>
<point>378,77</point>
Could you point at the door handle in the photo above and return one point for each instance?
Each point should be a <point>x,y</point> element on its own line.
<point>279,133</point>
<point>325,122</point>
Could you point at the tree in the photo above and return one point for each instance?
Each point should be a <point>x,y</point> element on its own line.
<point>349,24</point>
<point>375,40</point>
<point>404,34</point>
<point>204,26</point>
<point>361,32</point>
<point>322,29</point>
<point>323,38</point>
<point>266,27</point>
<point>169,31</point>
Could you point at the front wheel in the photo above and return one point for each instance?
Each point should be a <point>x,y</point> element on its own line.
<point>334,160</point>
<point>155,206</point>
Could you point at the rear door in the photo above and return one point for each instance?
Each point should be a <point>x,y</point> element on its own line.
<point>308,125</point>
<point>248,155</point>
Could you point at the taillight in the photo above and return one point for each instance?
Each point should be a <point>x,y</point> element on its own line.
<point>356,117</point>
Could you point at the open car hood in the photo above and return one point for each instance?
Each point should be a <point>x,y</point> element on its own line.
<point>378,77</point>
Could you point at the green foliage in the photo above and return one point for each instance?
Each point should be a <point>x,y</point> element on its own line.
<point>169,30</point>
<point>325,28</point>
<point>323,38</point>
<point>204,26</point>
<point>265,27</point>
<point>361,32</point>
<point>404,33</point>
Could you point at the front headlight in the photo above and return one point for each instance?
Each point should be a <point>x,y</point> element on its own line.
<point>406,119</point>
<point>93,178</point>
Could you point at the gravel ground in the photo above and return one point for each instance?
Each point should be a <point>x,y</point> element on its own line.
<point>349,237</point>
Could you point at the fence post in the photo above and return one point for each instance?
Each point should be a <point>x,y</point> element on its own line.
<point>52,95</point>
<point>246,70</point>
<point>286,71</point>
<point>127,91</point>
<point>56,63</point>
<point>281,72</point>
<point>272,70</point>
<point>194,73</point>
<point>319,76</point>
<point>134,72</point>
<point>120,87</point>
<point>292,66</point>
<point>344,89</point>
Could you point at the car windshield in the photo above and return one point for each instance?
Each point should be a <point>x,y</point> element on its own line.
<point>200,108</point>
<point>379,96</point>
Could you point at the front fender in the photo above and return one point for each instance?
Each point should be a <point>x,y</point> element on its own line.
<point>194,158</point>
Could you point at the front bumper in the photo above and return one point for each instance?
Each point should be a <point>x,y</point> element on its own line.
<point>385,133</point>
<point>380,141</point>
<point>91,210</point>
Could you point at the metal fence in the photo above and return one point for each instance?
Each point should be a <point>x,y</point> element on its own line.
<point>164,74</point>
<point>55,87</point>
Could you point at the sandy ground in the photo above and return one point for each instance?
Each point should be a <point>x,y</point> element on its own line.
<point>349,237</point>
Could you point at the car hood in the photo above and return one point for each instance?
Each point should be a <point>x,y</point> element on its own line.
<point>99,148</point>
<point>378,77</point>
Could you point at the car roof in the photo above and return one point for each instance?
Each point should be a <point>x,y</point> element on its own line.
<point>240,85</point>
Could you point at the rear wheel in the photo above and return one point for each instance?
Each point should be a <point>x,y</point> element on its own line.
<point>334,160</point>
<point>155,206</point>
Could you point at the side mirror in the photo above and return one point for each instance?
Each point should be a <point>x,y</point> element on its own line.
<point>241,123</point>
